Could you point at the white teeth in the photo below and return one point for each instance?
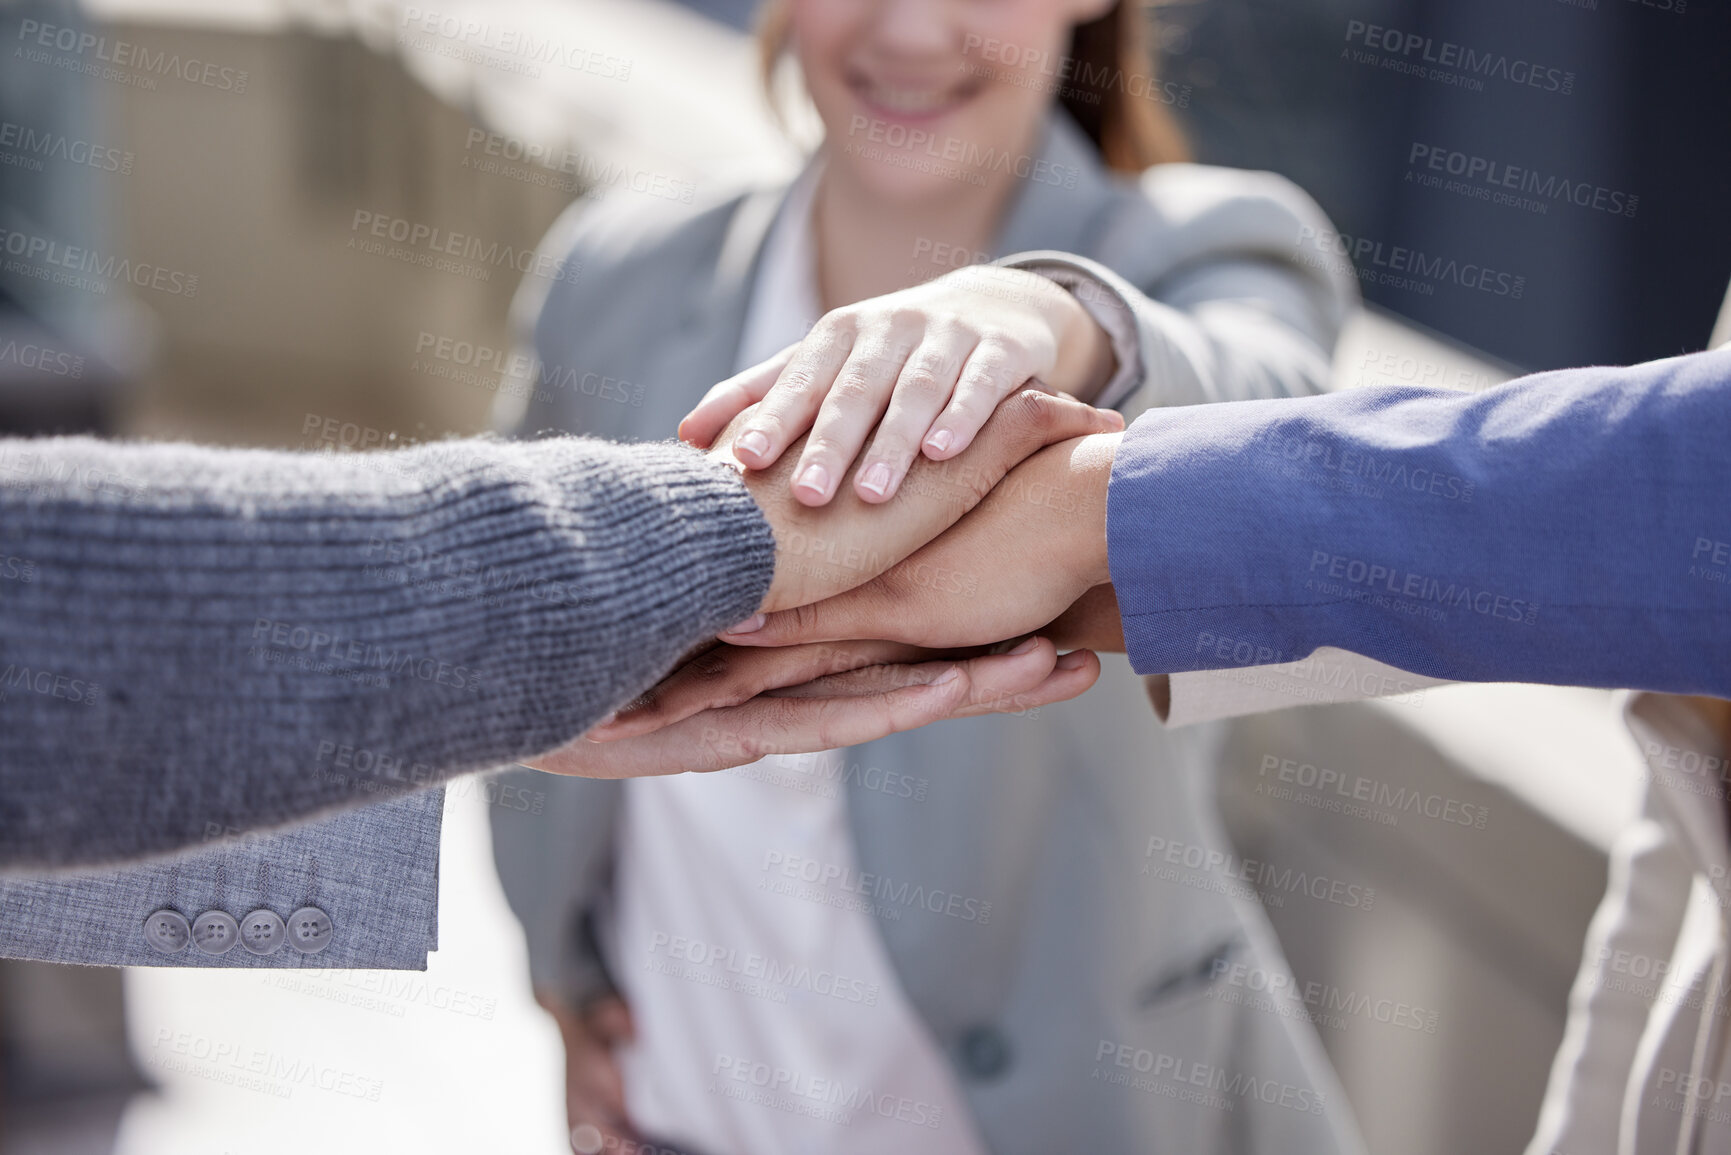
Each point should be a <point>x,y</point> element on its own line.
<point>909,100</point>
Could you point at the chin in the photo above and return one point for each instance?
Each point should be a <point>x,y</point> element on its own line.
<point>908,160</point>
<point>887,180</point>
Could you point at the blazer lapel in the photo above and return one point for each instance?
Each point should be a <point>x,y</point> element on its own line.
<point>702,338</point>
<point>1066,201</point>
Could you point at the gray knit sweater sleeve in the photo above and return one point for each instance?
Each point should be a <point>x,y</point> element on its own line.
<point>184,632</point>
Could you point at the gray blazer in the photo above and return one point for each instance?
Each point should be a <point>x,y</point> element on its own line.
<point>197,644</point>
<point>1084,1013</point>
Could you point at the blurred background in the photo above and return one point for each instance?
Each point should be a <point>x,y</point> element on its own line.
<point>251,311</point>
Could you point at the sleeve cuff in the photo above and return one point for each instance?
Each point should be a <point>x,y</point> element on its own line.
<point>1101,293</point>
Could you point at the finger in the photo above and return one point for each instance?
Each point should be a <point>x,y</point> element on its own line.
<point>790,406</point>
<point>1034,661</point>
<point>855,402</point>
<point>609,1020</point>
<point>767,725</point>
<point>730,398</point>
<point>792,726</point>
<point>993,371</point>
<point>1023,423</point>
<point>728,675</point>
<point>994,693</point>
<point>587,1138</point>
<point>926,382</point>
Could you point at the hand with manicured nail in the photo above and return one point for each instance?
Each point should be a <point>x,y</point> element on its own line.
<point>824,552</point>
<point>925,367</point>
<point>1017,563</point>
<point>731,706</point>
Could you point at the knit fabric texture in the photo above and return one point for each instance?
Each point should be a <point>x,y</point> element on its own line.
<point>188,635</point>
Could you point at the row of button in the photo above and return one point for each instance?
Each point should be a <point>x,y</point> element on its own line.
<point>262,932</point>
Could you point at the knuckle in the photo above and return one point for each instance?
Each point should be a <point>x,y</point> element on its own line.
<point>852,387</point>
<point>799,380</point>
<point>907,317</point>
<point>1032,411</point>
<point>922,381</point>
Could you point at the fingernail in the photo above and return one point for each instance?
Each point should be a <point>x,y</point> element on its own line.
<point>1026,647</point>
<point>947,676</point>
<point>749,626</point>
<point>754,442</point>
<point>1074,660</point>
<point>940,441</point>
<point>876,479</point>
<point>815,479</point>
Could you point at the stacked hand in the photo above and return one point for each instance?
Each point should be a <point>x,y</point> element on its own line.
<point>897,605</point>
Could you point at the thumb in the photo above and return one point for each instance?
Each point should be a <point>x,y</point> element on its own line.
<point>730,398</point>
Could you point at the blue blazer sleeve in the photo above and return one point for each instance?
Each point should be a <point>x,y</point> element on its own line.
<point>1571,527</point>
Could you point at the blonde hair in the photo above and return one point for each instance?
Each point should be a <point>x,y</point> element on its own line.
<point>1109,88</point>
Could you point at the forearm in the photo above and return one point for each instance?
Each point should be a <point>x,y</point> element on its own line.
<point>1549,531</point>
<point>239,638</point>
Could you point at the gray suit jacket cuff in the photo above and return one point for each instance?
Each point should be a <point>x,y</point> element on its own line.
<point>373,871</point>
<point>1105,296</point>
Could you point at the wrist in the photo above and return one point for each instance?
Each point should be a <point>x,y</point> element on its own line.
<point>1086,360</point>
<point>1091,467</point>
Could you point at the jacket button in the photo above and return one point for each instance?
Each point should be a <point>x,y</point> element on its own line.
<point>985,1052</point>
<point>167,932</point>
<point>215,932</point>
<point>263,932</point>
<point>310,930</point>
